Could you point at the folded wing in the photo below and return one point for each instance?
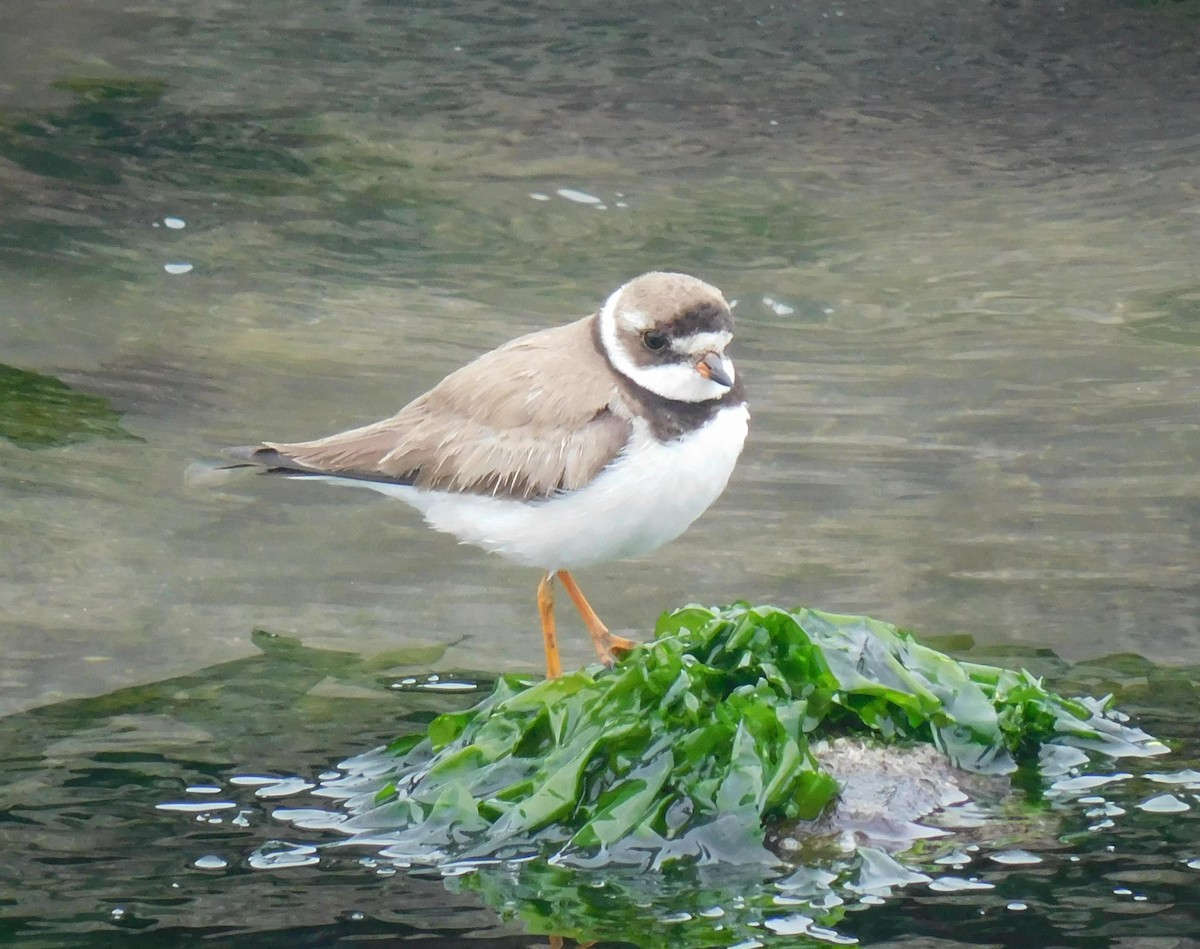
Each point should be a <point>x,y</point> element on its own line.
<point>503,425</point>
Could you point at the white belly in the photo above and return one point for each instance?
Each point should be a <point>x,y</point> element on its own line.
<point>648,496</point>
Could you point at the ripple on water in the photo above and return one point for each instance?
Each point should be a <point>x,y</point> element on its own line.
<point>952,884</point>
<point>310,818</point>
<point>195,807</point>
<point>1164,804</point>
<point>1087,782</point>
<point>1017,858</point>
<point>281,855</point>
<point>1189,778</point>
<point>579,197</point>
<point>284,788</point>
<point>800,925</point>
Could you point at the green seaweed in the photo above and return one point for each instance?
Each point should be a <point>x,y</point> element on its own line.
<point>697,739</point>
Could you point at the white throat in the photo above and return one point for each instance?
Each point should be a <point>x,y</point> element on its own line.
<point>678,381</point>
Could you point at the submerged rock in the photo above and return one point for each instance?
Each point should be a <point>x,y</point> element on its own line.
<point>890,797</point>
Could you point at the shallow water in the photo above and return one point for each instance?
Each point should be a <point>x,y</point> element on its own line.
<point>164,813</point>
<point>962,243</point>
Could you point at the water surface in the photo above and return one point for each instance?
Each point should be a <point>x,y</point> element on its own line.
<point>160,814</point>
<point>962,241</point>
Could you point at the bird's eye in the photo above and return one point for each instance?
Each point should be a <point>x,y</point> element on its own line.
<point>654,341</point>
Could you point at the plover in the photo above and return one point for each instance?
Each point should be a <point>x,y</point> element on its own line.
<point>572,446</point>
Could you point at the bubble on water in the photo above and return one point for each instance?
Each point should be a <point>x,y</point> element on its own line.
<point>175,223</point>
<point>538,196</point>
<point>203,789</point>
<point>178,267</point>
<point>779,309</point>
<point>210,862</point>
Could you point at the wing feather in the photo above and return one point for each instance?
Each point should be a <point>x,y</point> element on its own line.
<point>503,425</point>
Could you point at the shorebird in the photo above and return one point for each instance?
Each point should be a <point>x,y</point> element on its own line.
<point>598,440</point>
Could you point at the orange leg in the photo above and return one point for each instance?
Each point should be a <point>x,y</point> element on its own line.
<point>605,642</point>
<point>545,601</point>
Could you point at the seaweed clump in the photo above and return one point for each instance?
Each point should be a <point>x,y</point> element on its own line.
<point>696,740</point>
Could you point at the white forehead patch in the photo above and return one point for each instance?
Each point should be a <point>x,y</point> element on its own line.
<point>700,343</point>
<point>630,317</point>
<point>638,320</point>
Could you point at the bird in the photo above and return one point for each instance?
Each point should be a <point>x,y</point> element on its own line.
<point>584,443</point>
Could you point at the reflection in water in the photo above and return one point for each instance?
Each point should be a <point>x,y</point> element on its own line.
<point>39,411</point>
<point>179,810</point>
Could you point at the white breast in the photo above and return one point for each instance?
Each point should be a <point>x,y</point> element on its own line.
<point>648,496</point>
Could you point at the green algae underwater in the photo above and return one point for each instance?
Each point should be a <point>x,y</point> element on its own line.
<point>681,754</point>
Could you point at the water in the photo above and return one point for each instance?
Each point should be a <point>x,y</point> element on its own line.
<point>178,810</point>
<point>962,242</point>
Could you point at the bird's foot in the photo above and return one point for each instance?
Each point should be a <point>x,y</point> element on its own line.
<point>621,645</point>
<point>614,648</point>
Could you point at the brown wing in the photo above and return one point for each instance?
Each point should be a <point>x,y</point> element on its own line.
<point>525,420</point>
